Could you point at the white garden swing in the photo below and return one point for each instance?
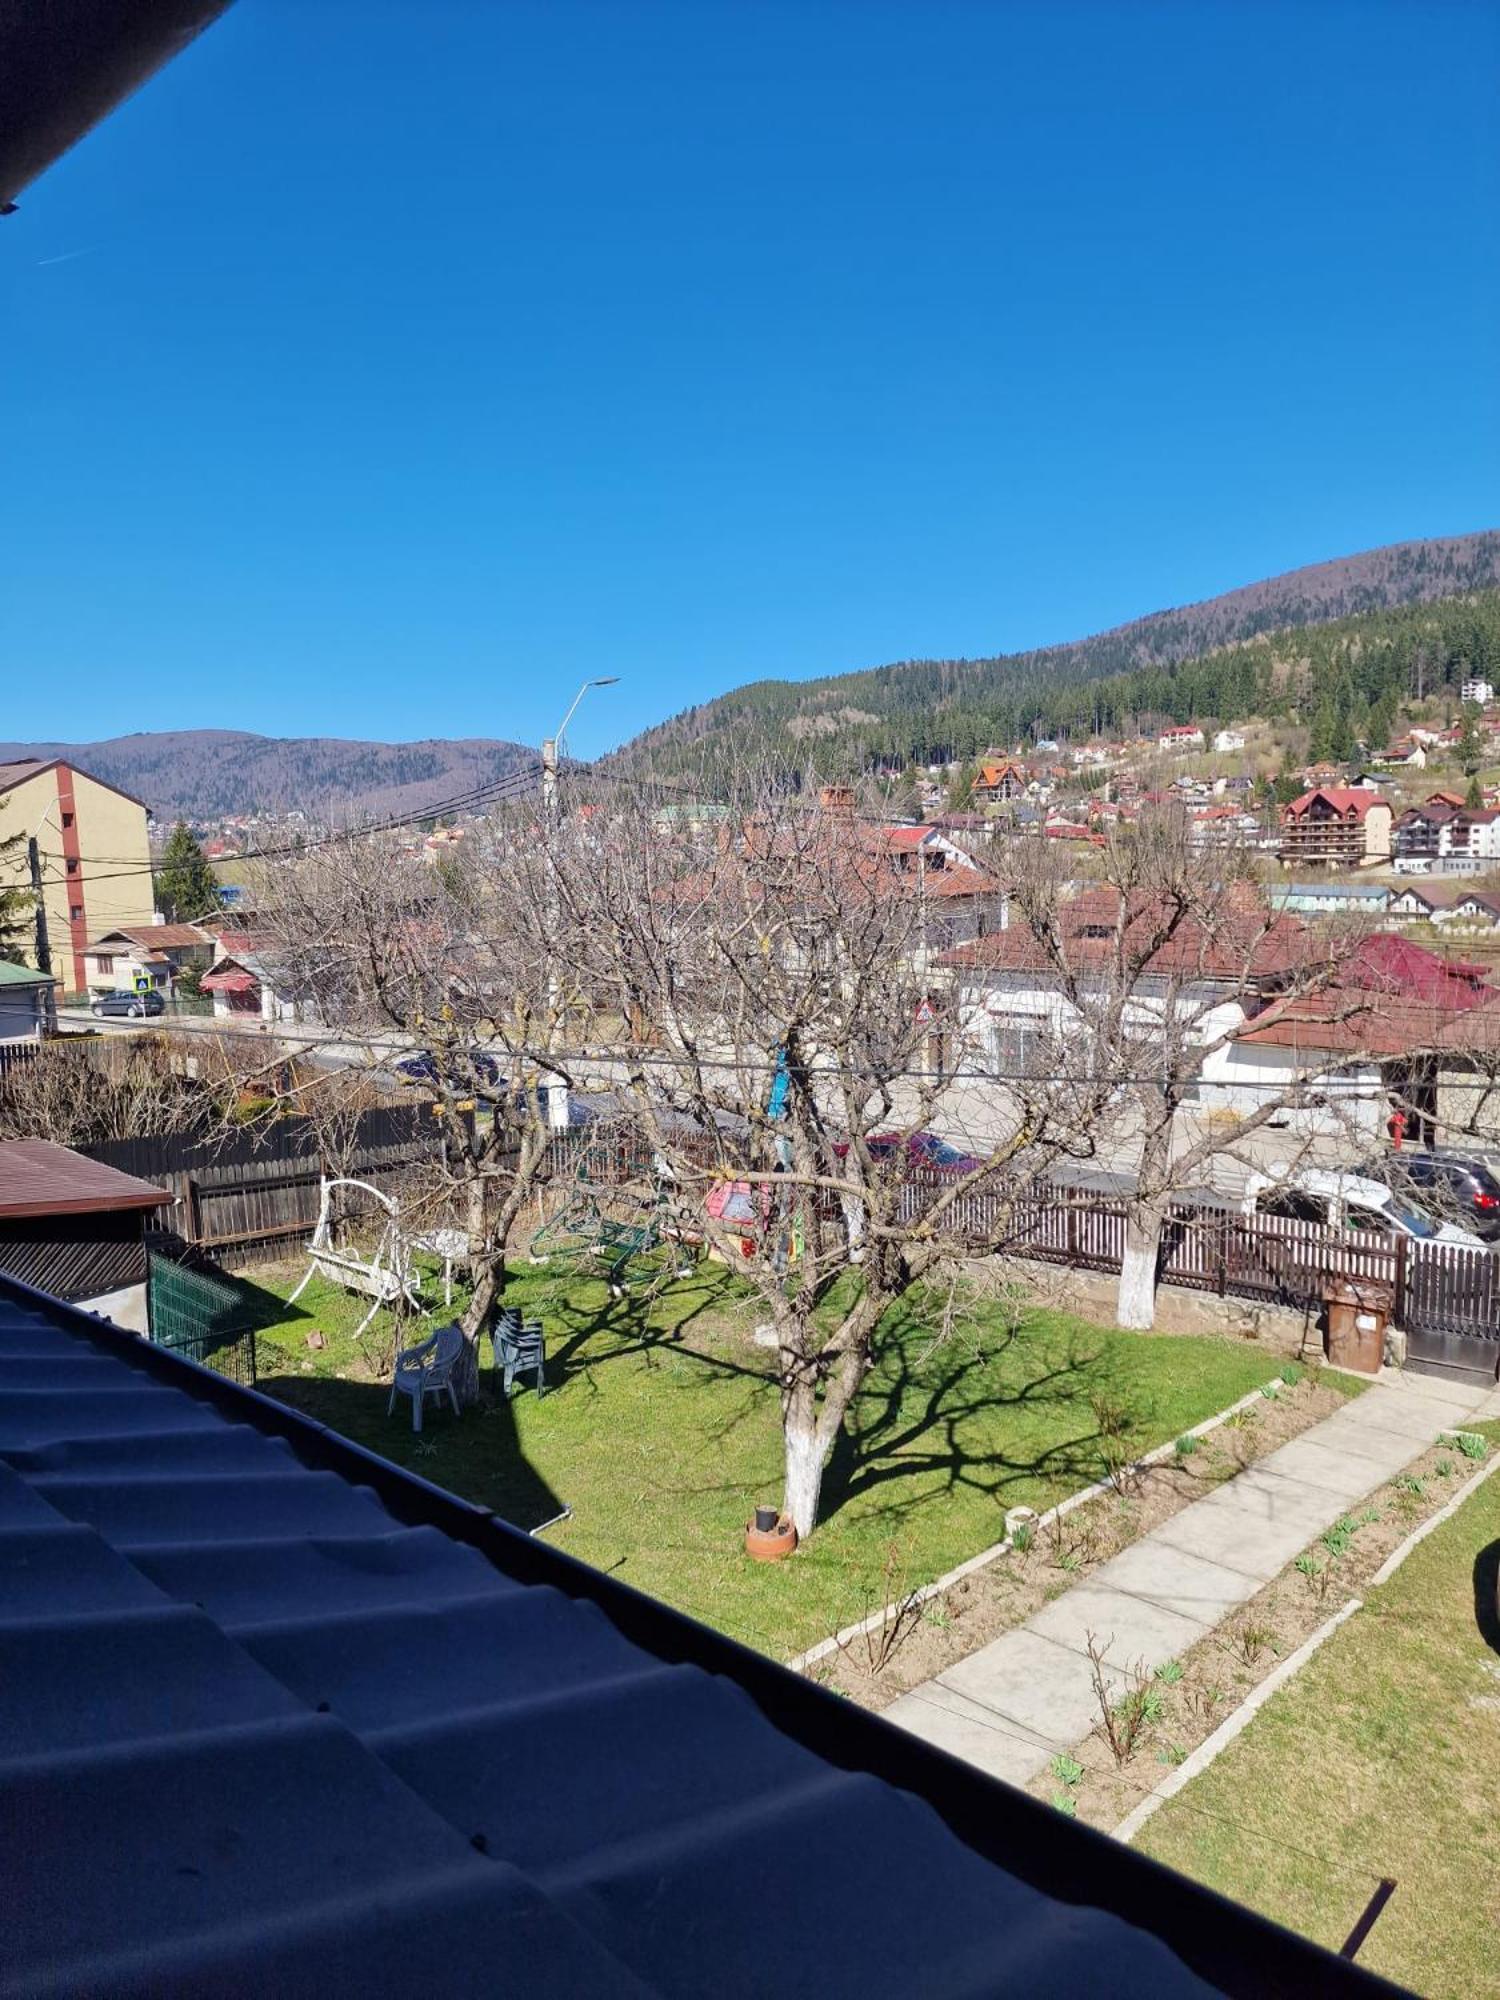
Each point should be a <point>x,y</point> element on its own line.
<point>383,1277</point>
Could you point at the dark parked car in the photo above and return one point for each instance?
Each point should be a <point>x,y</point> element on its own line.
<point>421,1067</point>
<point>1455,1187</point>
<point>923,1149</point>
<point>135,1006</point>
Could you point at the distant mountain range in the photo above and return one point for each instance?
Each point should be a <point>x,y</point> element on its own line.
<point>1349,636</point>
<point>208,774</point>
<point>942,708</point>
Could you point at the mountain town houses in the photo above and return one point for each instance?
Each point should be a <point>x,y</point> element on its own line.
<point>84,865</point>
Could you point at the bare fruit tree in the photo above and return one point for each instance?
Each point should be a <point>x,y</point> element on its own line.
<point>440,977</point>
<point>783,1047</point>
<point>1172,992</point>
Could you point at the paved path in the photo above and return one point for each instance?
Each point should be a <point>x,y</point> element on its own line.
<point>1009,1707</point>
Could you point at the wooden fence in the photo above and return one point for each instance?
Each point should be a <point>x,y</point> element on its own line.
<point>13,1055</point>
<point>251,1196</point>
<point>1437,1289</point>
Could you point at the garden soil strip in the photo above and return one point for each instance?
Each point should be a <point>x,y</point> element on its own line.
<point>1261,1647</point>
<point>913,1639</point>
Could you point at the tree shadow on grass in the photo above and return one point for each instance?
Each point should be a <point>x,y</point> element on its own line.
<point>477,1455</point>
<point>911,1423</point>
<point>583,1339</point>
<point>1486,1586</point>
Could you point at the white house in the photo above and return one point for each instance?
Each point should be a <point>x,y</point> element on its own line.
<point>1229,739</point>
<point>1479,691</point>
<point>119,958</point>
<point>1183,736</point>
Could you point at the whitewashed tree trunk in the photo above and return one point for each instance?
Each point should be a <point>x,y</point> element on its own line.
<point>1135,1304</point>
<point>804,1476</point>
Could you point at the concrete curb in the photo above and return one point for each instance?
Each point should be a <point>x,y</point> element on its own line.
<point>1399,1554</point>
<point>1036,1522</point>
<point>1232,1725</point>
<point>1227,1730</point>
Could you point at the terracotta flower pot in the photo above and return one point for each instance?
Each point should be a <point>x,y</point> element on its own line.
<point>768,1545</point>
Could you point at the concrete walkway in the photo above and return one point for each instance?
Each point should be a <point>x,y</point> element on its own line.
<point>1012,1705</point>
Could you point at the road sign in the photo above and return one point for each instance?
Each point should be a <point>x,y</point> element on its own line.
<point>142,983</point>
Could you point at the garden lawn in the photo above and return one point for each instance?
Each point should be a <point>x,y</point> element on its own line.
<point>1382,1757</point>
<point>660,1430</point>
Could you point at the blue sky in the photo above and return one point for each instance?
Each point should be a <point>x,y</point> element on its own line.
<point>384,370</point>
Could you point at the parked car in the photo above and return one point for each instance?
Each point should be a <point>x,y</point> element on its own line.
<point>1450,1184</point>
<point>422,1067</point>
<point>135,1006</point>
<point>1351,1201</point>
<point>923,1149</point>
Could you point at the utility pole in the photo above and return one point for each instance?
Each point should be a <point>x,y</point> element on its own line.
<point>557,1091</point>
<point>557,1095</point>
<point>43,943</point>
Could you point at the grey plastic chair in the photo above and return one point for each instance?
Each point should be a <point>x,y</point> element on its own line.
<point>427,1370</point>
<point>520,1347</point>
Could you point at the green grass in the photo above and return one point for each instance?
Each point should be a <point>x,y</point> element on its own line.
<point>661,1432</point>
<point>1379,1758</point>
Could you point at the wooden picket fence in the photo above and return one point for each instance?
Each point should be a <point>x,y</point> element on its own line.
<point>1438,1289</point>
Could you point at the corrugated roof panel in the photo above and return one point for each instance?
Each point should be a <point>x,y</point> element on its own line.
<point>262,1723</point>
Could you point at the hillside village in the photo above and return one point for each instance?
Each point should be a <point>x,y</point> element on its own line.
<point>653,1374</point>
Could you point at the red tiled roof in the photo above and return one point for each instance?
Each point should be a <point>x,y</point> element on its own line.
<point>39,1179</point>
<point>1389,963</point>
<point>229,978</point>
<point>161,937</point>
<point>1345,1023</point>
<point>1357,799</point>
<point>1241,942</point>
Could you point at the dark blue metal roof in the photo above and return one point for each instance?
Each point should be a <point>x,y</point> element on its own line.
<point>276,1715</point>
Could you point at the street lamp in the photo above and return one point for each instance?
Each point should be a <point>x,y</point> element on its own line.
<point>557,1094</point>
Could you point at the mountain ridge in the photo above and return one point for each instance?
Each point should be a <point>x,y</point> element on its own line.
<point>875,710</point>
<point>211,774</point>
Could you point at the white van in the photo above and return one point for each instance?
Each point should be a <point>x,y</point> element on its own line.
<point>1349,1201</point>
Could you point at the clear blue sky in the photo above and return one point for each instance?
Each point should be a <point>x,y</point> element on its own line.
<point>385,369</point>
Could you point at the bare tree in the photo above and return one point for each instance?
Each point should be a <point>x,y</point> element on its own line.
<point>786,1045</point>
<point>448,965</point>
<point>1147,989</point>
<point>81,1091</point>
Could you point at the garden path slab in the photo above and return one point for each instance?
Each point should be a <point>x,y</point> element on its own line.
<point>1011,1704</point>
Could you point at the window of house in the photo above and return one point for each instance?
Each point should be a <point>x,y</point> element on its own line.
<point>72,865</point>
<point>67,820</point>
<point>105,963</point>
<point>75,912</point>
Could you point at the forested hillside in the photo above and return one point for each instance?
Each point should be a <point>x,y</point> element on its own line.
<point>1342,643</point>
<point>211,773</point>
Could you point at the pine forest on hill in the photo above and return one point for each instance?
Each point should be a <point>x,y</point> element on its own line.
<point>1342,647</point>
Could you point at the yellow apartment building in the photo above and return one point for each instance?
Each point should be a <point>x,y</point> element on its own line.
<point>93,851</point>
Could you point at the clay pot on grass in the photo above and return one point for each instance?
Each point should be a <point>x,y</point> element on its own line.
<point>769,1543</point>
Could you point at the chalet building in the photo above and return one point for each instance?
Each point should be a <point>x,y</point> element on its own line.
<point>1420,834</point>
<point>1447,837</point>
<point>92,854</point>
<point>1184,736</point>
<point>1000,783</point>
<point>1336,827</point>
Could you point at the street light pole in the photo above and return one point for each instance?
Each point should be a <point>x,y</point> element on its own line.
<point>557,1092</point>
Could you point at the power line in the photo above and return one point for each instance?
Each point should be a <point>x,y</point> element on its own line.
<point>500,791</point>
